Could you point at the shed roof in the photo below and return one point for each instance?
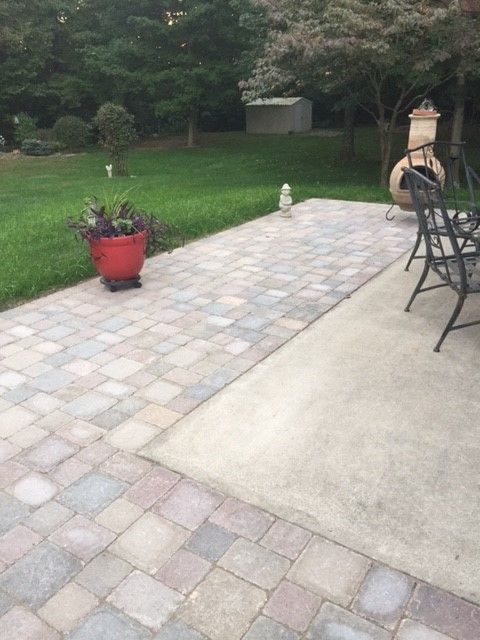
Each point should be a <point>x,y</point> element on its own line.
<point>274,102</point>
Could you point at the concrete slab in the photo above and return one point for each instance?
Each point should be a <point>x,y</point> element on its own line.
<point>358,431</point>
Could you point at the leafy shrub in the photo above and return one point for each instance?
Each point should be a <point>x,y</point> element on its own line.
<point>70,131</point>
<point>32,147</point>
<point>45,134</point>
<point>25,128</point>
<point>116,133</point>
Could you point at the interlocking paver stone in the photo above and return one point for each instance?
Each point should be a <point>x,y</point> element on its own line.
<point>53,380</point>
<point>211,541</point>
<point>92,493</point>
<point>38,575</point>
<point>126,466</point>
<point>34,489</point>
<point>103,574</point>
<point>132,435</point>
<point>6,602</point>
<point>146,600</point>
<point>254,563</point>
<point>383,595</point>
<point>222,606</point>
<point>82,537</point>
<point>412,630</point>
<point>19,623</point>
<point>11,512</point>
<point>67,607</point>
<point>149,542</point>
<point>16,543</point>
<point>48,518</point>
<point>189,504</point>
<point>334,623</point>
<point>89,405</point>
<point>183,571</point>
<point>152,487</point>
<point>445,613</point>
<point>14,419</point>
<point>329,570</point>
<point>107,624</point>
<point>119,515</point>
<point>242,518</point>
<point>286,539</point>
<point>267,629</point>
<point>87,349</point>
<point>293,606</point>
<point>48,453</point>
<point>178,631</point>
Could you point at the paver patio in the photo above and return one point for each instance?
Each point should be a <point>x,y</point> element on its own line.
<point>97,542</point>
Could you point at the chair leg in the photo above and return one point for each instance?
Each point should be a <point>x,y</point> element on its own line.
<point>423,277</point>
<point>414,250</point>
<point>451,322</point>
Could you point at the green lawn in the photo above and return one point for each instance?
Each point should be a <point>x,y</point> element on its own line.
<point>231,178</point>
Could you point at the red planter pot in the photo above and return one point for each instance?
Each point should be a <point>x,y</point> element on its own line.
<point>119,258</point>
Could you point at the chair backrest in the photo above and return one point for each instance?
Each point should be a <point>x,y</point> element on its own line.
<point>445,163</point>
<point>442,245</point>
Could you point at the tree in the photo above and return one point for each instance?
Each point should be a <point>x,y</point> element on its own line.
<point>117,133</point>
<point>383,54</point>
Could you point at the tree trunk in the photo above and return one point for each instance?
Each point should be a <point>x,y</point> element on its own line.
<point>120,164</point>
<point>457,124</point>
<point>347,153</point>
<point>192,128</point>
<point>387,129</point>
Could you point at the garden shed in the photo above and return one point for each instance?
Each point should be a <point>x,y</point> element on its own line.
<point>279,115</point>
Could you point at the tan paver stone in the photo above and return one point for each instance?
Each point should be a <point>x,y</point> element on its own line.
<point>80,432</point>
<point>222,606</point>
<point>158,416</point>
<point>119,515</point>
<point>126,466</point>
<point>28,436</point>
<point>103,574</point>
<point>160,391</point>
<point>120,368</point>
<point>286,539</point>
<point>20,623</point>
<point>412,630</point>
<point>145,599</point>
<point>14,419</point>
<point>132,435</point>
<point>82,537</point>
<point>254,563</point>
<point>65,609</point>
<point>149,542</point>
<point>329,570</point>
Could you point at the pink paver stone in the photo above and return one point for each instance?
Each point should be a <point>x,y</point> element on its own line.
<point>183,571</point>
<point>125,466</point>
<point>152,487</point>
<point>242,518</point>
<point>286,539</point>
<point>16,543</point>
<point>189,504</point>
<point>70,471</point>
<point>292,606</point>
<point>11,471</point>
<point>82,537</point>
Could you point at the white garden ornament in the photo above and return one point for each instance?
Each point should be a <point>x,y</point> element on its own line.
<point>109,168</point>
<point>286,201</point>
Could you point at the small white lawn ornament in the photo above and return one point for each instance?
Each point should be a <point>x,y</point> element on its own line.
<point>109,168</point>
<point>286,201</point>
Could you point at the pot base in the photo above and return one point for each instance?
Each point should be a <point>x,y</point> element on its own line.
<point>115,285</point>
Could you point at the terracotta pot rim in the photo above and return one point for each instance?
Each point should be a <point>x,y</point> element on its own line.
<point>120,240</point>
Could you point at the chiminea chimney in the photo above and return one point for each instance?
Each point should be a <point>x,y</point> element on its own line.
<point>423,130</point>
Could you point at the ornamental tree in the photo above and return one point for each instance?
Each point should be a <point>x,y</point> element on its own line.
<point>383,54</point>
<point>117,132</point>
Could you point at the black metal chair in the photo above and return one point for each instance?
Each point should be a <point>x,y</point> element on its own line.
<point>452,245</point>
<point>445,163</point>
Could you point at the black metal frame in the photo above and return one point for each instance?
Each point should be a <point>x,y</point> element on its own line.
<point>446,239</point>
<point>446,164</point>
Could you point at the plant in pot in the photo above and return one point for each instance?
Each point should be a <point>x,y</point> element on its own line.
<point>119,236</point>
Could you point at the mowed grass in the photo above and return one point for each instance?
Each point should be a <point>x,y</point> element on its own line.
<point>227,180</point>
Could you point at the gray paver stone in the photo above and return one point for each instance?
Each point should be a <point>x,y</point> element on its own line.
<point>412,630</point>
<point>178,631</point>
<point>92,493</point>
<point>383,595</point>
<point>12,511</point>
<point>334,623</point>
<point>210,541</point>
<point>267,629</point>
<point>48,453</point>
<point>107,624</point>
<point>103,573</point>
<point>39,574</point>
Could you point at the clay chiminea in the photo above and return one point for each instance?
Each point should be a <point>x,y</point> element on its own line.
<point>423,129</point>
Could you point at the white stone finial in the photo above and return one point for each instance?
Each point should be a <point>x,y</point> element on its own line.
<point>109,168</point>
<point>286,201</point>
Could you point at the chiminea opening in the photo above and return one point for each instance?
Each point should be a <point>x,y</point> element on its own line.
<point>421,168</point>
